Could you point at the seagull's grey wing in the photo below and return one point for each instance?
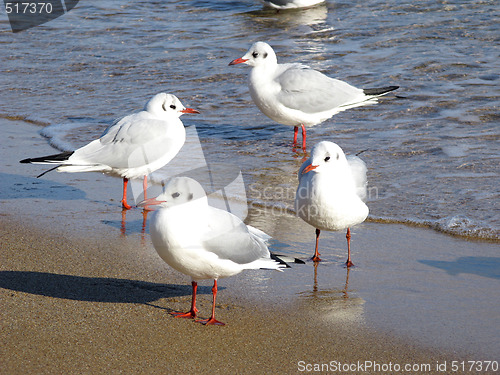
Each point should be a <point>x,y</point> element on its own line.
<point>310,91</point>
<point>229,238</point>
<point>302,167</point>
<point>115,126</point>
<point>133,144</point>
<point>137,128</point>
<point>358,172</point>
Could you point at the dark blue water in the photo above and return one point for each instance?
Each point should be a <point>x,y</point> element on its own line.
<point>433,157</point>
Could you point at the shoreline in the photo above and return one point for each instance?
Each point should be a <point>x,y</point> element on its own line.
<point>452,226</point>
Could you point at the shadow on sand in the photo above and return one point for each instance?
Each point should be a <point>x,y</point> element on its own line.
<point>481,266</point>
<point>93,289</point>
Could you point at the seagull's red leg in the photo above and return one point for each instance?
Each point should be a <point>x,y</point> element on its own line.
<point>145,187</point>
<point>316,257</point>
<point>348,236</point>
<point>145,190</point>
<point>191,313</point>
<point>212,318</point>
<point>303,137</point>
<point>295,133</point>
<point>124,199</point>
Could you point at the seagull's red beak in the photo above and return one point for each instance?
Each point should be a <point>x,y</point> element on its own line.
<point>149,202</point>
<point>238,61</point>
<point>189,110</point>
<point>309,168</point>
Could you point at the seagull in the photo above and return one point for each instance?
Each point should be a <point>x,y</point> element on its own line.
<point>290,4</point>
<point>202,241</point>
<point>295,94</point>
<point>132,147</point>
<point>331,192</point>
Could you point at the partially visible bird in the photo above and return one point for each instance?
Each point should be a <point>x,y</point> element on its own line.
<point>290,4</point>
<point>331,192</point>
<point>295,94</point>
<point>202,241</point>
<point>132,147</point>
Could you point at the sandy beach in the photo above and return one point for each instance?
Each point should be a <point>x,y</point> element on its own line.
<point>83,291</point>
<point>89,305</point>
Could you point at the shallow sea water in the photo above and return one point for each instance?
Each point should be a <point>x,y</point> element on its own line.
<point>433,156</point>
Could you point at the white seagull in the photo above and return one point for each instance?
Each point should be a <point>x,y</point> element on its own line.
<point>132,147</point>
<point>290,4</point>
<point>331,192</point>
<point>295,94</point>
<point>202,241</point>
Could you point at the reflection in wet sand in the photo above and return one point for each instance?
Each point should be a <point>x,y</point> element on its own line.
<point>336,304</point>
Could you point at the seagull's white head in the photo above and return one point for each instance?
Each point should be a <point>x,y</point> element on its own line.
<point>259,54</point>
<point>177,191</point>
<point>165,105</point>
<point>325,156</point>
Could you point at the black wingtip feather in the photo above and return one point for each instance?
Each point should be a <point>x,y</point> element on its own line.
<point>278,258</point>
<point>47,171</point>
<point>380,90</point>
<point>63,156</point>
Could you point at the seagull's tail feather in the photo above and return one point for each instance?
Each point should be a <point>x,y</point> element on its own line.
<point>370,97</point>
<point>64,165</point>
<point>380,90</point>
<point>50,159</point>
<point>47,171</point>
<point>84,168</point>
<point>267,264</point>
<point>285,260</point>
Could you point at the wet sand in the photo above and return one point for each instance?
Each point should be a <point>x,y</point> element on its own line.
<point>83,291</point>
<point>89,305</point>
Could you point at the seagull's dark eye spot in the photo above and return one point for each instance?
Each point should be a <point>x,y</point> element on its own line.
<point>190,196</point>
<point>173,106</point>
<point>338,156</point>
<point>265,54</point>
<point>163,106</point>
<point>176,194</point>
<point>327,158</point>
<point>255,55</point>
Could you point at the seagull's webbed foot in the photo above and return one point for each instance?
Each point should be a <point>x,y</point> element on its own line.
<point>211,321</point>
<point>125,205</point>
<point>189,315</point>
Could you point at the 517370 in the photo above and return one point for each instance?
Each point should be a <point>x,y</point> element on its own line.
<point>25,8</point>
